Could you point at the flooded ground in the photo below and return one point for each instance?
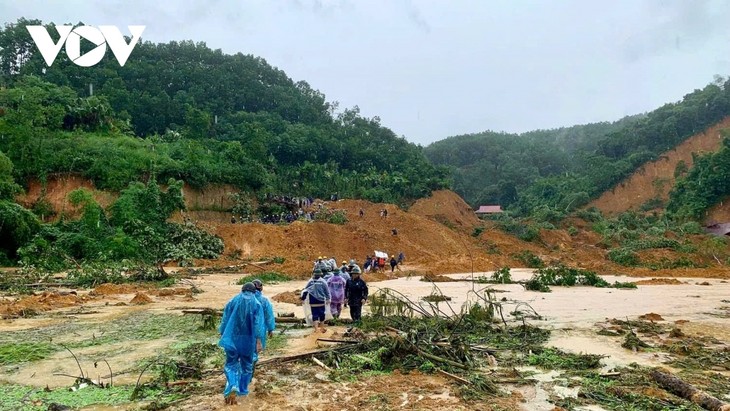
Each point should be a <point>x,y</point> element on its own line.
<point>108,327</point>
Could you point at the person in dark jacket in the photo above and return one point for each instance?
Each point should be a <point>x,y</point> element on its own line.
<point>356,294</point>
<point>393,263</point>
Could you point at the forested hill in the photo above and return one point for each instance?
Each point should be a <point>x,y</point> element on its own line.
<point>552,172</point>
<point>185,111</point>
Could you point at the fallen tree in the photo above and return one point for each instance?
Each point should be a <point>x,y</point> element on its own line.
<point>682,389</point>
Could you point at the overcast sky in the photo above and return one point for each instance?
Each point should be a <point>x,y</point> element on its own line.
<point>432,69</point>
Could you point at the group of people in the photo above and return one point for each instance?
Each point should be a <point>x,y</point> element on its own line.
<point>248,320</point>
<point>376,264</point>
<point>333,287</point>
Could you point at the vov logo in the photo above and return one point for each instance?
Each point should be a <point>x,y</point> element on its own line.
<point>71,37</point>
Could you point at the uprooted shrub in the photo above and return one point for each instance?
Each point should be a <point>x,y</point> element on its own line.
<point>562,275</point>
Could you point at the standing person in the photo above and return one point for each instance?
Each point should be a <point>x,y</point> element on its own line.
<point>368,264</point>
<point>401,258</point>
<point>317,295</point>
<point>241,329</point>
<point>269,320</point>
<point>356,294</point>
<point>336,284</point>
<point>393,263</point>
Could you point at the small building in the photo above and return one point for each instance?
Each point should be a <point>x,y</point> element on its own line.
<point>489,209</point>
<point>718,229</point>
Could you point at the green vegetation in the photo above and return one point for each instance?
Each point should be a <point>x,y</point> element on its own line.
<point>182,110</point>
<point>13,353</point>
<point>24,398</point>
<point>553,358</point>
<point>233,120</point>
<point>502,276</point>
<point>529,259</point>
<point>558,171</point>
<point>706,184</point>
<point>134,228</point>
<point>268,277</point>
<point>561,275</point>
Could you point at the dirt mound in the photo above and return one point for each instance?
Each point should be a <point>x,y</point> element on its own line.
<point>651,317</point>
<point>141,299</point>
<point>446,207</point>
<point>659,281</point>
<point>656,178</point>
<point>290,297</point>
<point>34,304</point>
<point>171,292</point>
<point>114,289</point>
<point>427,244</point>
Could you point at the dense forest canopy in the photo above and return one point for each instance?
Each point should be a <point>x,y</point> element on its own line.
<point>179,113</point>
<point>182,110</point>
<point>557,171</point>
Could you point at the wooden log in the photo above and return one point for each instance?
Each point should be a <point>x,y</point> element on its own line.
<point>294,357</point>
<point>443,360</point>
<point>687,391</point>
<point>321,364</point>
<point>454,377</point>
<point>332,340</point>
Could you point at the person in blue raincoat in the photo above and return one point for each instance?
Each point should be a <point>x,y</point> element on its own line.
<point>242,330</point>
<point>269,320</point>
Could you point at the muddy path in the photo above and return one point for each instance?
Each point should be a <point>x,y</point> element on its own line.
<point>106,325</point>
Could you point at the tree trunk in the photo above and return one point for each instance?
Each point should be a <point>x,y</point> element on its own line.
<point>680,388</point>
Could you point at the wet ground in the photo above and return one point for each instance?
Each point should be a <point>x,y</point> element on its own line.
<point>112,329</point>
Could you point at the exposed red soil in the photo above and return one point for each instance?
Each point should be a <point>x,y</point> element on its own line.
<point>33,304</point>
<point>656,178</point>
<point>114,289</point>
<point>435,235</point>
<point>291,297</point>
<point>141,299</point>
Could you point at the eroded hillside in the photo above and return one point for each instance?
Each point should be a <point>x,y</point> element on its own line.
<point>649,186</point>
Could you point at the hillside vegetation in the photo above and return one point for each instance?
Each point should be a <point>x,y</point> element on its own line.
<point>178,113</point>
<point>557,171</point>
<point>182,110</point>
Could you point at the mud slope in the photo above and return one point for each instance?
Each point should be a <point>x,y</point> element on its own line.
<point>58,187</point>
<point>427,244</point>
<point>719,213</point>
<point>656,178</point>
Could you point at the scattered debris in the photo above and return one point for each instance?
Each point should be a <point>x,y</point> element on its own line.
<point>651,317</point>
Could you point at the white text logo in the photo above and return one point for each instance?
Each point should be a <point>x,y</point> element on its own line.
<point>72,38</point>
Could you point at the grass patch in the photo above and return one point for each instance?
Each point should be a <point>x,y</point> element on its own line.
<point>269,277</point>
<point>276,342</point>
<point>25,398</point>
<point>24,352</point>
<point>553,358</point>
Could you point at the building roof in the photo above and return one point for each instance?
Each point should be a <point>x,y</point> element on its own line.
<point>488,209</point>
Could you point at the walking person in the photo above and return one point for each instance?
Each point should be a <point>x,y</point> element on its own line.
<point>269,319</point>
<point>317,296</point>
<point>393,263</point>
<point>356,294</point>
<point>336,284</point>
<point>241,330</point>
